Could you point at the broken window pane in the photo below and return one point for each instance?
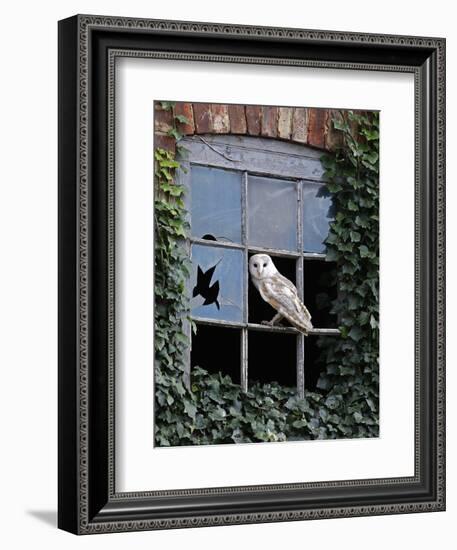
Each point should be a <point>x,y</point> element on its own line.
<point>207,344</point>
<point>272,213</point>
<point>272,358</point>
<point>317,215</point>
<point>217,283</point>
<point>319,291</point>
<point>215,204</point>
<point>258,309</point>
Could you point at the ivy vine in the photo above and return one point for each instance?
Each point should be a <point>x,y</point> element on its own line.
<point>351,363</point>
<point>213,409</point>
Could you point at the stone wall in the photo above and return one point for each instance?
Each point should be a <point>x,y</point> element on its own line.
<point>306,125</point>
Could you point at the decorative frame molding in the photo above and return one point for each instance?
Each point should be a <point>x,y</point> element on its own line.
<point>88,47</point>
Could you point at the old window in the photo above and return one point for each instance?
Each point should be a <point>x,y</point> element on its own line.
<point>248,195</point>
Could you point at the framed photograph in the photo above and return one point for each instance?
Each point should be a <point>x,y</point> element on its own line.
<point>251,274</point>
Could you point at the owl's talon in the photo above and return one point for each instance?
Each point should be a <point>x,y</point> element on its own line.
<point>276,320</point>
<point>267,323</point>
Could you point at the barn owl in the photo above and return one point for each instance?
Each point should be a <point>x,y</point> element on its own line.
<point>279,292</point>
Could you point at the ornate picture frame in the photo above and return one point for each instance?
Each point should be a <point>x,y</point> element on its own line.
<point>88,49</point>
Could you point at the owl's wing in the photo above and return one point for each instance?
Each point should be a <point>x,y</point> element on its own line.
<point>281,294</point>
<point>286,281</point>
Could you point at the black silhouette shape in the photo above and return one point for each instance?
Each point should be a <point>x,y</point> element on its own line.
<point>203,288</point>
<point>209,237</point>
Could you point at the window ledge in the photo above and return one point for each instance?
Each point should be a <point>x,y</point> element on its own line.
<point>292,330</point>
<point>267,328</point>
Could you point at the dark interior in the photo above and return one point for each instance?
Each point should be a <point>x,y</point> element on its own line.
<point>272,357</point>
<point>313,366</point>
<point>217,349</point>
<point>319,290</point>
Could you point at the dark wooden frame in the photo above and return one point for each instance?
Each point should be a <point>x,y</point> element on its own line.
<point>88,46</point>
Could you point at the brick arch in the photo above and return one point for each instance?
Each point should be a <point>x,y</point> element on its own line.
<point>302,125</point>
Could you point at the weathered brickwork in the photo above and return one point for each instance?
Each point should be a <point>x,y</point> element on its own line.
<point>305,125</point>
<point>253,118</point>
<point>237,116</point>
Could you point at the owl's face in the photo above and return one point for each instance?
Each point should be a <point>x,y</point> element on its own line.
<point>261,266</point>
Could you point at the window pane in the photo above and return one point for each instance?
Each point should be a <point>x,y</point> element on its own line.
<point>216,204</point>
<point>272,213</point>
<point>317,215</point>
<point>319,291</point>
<point>207,344</point>
<point>217,283</point>
<point>272,357</point>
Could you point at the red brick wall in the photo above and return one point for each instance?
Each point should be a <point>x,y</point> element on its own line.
<point>309,126</point>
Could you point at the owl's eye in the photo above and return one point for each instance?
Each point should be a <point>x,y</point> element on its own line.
<point>264,265</point>
<point>255,265</point>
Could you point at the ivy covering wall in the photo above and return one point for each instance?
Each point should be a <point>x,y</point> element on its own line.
<point>346,402</point>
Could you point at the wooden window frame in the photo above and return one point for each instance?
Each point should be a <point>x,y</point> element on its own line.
<point>256,156</point>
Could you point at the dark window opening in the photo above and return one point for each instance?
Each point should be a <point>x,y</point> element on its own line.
<point>259,310</point>
<point>217,349</point>
<point>272,357</point>
<point>320,291</point>
<point>313,365</point>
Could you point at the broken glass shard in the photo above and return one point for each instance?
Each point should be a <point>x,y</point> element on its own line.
<point>217,283</point>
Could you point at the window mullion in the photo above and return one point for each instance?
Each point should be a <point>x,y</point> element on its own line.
<point>244,240</point>
<point>244,359</point>
<point>299,285</point>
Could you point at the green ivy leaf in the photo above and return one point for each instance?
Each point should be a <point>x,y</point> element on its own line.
<point>190,409</point>
<point>362,221</point>
<point>340,125</point>
<point>300,423</point>
<point>356,333</point>
<point>173,132</point>
<point>357,417</point>
<point>167,105</point>
<point>217,414</point>
<point>183,119</point>
<point>364,251</point>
